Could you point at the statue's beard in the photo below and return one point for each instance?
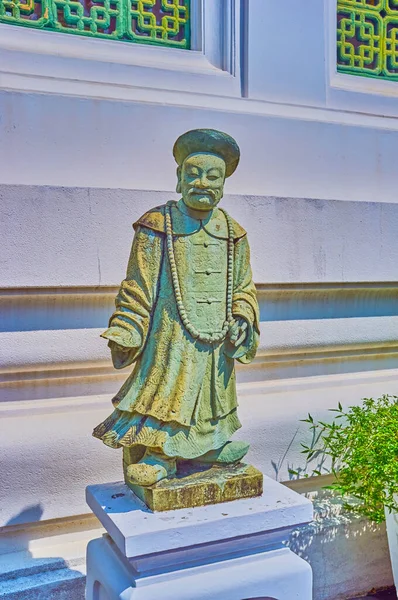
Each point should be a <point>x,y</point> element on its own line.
<point>196,198</point>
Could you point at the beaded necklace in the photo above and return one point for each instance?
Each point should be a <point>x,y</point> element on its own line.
<point>202,337</point>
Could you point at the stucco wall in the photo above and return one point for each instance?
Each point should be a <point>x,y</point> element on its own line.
<point>325,276</point>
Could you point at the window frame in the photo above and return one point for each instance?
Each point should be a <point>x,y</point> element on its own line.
<point>51,62</point>
<point>353,92</point>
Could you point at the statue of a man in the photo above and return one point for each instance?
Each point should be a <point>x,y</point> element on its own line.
<point>186,310</point>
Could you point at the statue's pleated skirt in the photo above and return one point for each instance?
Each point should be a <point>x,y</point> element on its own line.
<point>128,429</point>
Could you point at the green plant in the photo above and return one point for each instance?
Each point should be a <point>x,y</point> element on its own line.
<point>361,444</point>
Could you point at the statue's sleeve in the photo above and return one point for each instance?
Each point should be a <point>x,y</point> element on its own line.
<point>244,302</point>
<point>129,324</point>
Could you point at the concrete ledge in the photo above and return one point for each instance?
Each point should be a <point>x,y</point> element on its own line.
<point>56,434</point>
<point>45,560</point>
<point>57,584</point>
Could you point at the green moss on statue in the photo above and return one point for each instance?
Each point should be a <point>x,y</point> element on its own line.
<point>186,310</point>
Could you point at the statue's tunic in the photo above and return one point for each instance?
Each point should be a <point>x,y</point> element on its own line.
<point>181,396</point>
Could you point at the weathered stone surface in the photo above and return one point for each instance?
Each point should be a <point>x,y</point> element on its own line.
<point>185,312</point>
<point>198,488</point>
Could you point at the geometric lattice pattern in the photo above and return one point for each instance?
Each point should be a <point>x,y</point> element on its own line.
<point>161,22</point>
<point>367,38</point>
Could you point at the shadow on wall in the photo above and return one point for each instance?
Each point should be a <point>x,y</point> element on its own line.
<point>30,514</point>
<point>34,578</point>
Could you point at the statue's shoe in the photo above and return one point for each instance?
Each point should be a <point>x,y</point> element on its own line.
<point>231,452</point>
<point>151,469</point>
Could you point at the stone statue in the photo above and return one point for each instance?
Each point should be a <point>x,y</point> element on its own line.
<point>186,310</point>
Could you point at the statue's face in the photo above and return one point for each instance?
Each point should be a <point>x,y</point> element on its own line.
<point>201,181</point>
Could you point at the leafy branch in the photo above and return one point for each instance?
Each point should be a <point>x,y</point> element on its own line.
<point>361,444</point>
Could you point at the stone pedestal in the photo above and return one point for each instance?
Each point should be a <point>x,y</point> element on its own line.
<point>199,488</point>
<point>229,551</point>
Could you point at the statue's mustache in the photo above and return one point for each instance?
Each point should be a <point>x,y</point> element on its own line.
<point>206,191</point>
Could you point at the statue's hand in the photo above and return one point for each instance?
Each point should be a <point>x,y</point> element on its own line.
<point>117,348</point>
<point>238,332</point>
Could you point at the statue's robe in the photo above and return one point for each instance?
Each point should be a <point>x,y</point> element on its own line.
<point>180,398</point>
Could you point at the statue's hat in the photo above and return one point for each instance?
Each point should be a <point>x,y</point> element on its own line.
<point>209,141</point>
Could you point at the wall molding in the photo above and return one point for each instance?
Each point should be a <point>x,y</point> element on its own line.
<point>308,329</point>
<point>283,287</point>
<point>74,404</point>
<point>52,308</point>
<point>90,380</point>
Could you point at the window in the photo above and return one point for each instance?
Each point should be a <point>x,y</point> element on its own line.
<point>39,59</point>
<point>160,22</point>
<point>367,38</point>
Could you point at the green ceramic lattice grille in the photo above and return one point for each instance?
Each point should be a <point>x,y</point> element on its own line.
<point>162,22</point>
<point>367,38</point>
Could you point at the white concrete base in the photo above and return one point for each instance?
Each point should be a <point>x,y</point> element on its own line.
<point>392,535</point>
<point>273,574</point>
<point>233,550</point>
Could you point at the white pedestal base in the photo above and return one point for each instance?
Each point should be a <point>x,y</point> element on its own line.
<point>274,574</point>
<point>231,551</point>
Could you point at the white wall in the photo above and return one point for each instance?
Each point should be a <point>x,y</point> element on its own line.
<point>82,237</point>
<point>52,140</point>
